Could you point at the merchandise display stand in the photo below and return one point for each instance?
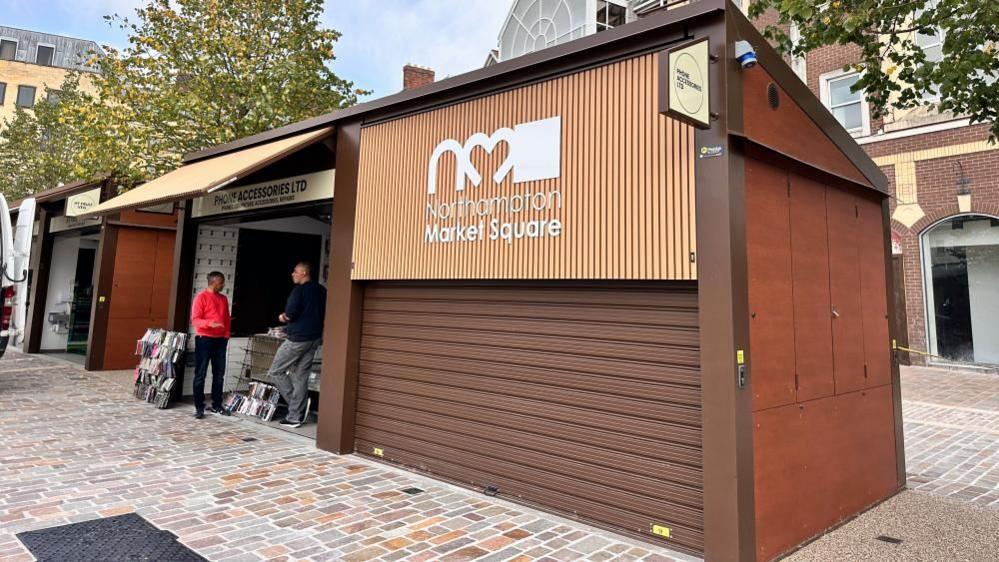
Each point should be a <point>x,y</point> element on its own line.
<point>161,353</point>
<point>255,394</point>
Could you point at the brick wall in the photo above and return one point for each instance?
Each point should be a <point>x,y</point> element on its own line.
<point>416,77</point>
<point>936,178</point>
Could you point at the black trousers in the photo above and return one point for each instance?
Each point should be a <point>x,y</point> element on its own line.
<point>209,350</point>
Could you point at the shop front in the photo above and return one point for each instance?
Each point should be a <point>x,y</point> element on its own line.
<point>568,280</point>
<point>269,213</point>
<point>92,283</point>
<point>960,268</point>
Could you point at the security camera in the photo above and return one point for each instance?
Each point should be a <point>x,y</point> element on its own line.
<point>745,55</point>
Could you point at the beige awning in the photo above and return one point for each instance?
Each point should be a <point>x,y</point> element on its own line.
<point>205,176</point>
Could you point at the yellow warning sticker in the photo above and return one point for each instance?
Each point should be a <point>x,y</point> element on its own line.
<point>661,531</point>
<point>378,452</point>
<point>740,357</point>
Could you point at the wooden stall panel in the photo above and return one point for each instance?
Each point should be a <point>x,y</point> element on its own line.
<point>140,291</point>
<point>119,353</point>
<point>874,294</point>
<point>771,334</point>
<point>819,463</point>
<point>810,263</point>
<point>845,288</point>
<point>162,269</point>
<point>134,266</point>
<point>788,129</point>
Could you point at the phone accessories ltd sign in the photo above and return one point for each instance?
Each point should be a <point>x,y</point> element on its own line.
<point>287,191</point>
<point>688,90</point>
<point>534,154</point>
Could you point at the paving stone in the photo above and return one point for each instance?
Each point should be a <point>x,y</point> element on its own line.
<point>103,452</point>
<point>590,544</point>
<point>467,553</point>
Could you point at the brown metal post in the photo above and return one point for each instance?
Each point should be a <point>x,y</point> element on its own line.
<point>100,308</point>
<point>342,338</point>
<point>893,329</point>
<point>181,284</point>
<point>41,262</point>
<point>729,509</point>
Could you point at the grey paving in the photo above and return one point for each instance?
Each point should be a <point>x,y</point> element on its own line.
<point>932,529</point>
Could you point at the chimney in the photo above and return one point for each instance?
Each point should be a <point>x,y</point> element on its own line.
<point>416,76</point>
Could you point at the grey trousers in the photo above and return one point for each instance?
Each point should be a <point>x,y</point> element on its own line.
<point>290,374</point>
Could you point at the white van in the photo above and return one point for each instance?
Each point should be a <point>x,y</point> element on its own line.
<point>14,250</point>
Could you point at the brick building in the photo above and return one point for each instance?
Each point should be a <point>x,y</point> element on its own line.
<point>945,210</point>
<point>945,180</point>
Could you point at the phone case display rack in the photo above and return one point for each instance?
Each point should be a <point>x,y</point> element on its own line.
<point>160,353</point>
<point>255,395</point>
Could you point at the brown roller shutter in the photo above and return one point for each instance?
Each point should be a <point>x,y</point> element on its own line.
<point>581,398</point>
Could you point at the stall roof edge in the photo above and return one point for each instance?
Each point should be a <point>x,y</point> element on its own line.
<point>60,192</point>
<point>498,75</point>
<point>507,73</point>
<point>809,102</point>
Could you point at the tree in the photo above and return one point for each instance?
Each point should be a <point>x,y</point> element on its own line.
<point>195,73</point>
<point>902,65</point>
<point>38,146</point>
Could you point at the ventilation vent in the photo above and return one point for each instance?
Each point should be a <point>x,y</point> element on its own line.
<point>773,95</point>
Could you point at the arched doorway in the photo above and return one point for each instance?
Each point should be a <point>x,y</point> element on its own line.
<point>961,284</point>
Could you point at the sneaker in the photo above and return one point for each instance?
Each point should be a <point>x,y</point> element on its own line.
<point>220,411</point>
<point>289,423</point>
<point>199,415</point>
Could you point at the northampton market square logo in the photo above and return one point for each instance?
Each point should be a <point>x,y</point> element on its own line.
<point>535,154</point>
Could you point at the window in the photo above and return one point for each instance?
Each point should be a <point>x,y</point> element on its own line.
<point>847,106</point>
<point>53,96</point>
<point>610,15</point>
<point>798,63</point>
<point>26,96</point>
<point>932,46</point>
<point>8,49</point>
<point>3,92</point>
<point>44,55</point>
<point>960,263</point>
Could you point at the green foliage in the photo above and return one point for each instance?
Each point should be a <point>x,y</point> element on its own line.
<point>38,146</point>
<point>896,71</point>
<point>196,73</point>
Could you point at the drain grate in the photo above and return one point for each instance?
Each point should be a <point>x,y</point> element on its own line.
<point>887,539</point>
<point>412,491</point>
<point>249,439</point>
<point>124,537</point>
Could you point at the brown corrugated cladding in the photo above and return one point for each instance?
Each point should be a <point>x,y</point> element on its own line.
<point>581,397</point>
<point>625,190</point>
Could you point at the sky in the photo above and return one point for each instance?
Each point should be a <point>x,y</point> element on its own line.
<point>379,37</point>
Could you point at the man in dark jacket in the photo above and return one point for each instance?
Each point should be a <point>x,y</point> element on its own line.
<point>304,313</point>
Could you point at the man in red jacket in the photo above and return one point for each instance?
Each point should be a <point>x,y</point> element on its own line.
<point>210,317</point>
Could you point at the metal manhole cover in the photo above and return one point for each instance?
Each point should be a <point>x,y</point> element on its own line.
<point>120,538</point>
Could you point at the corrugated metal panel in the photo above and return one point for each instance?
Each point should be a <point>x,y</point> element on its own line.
<point>625,191</point>
<point>584,399</point>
